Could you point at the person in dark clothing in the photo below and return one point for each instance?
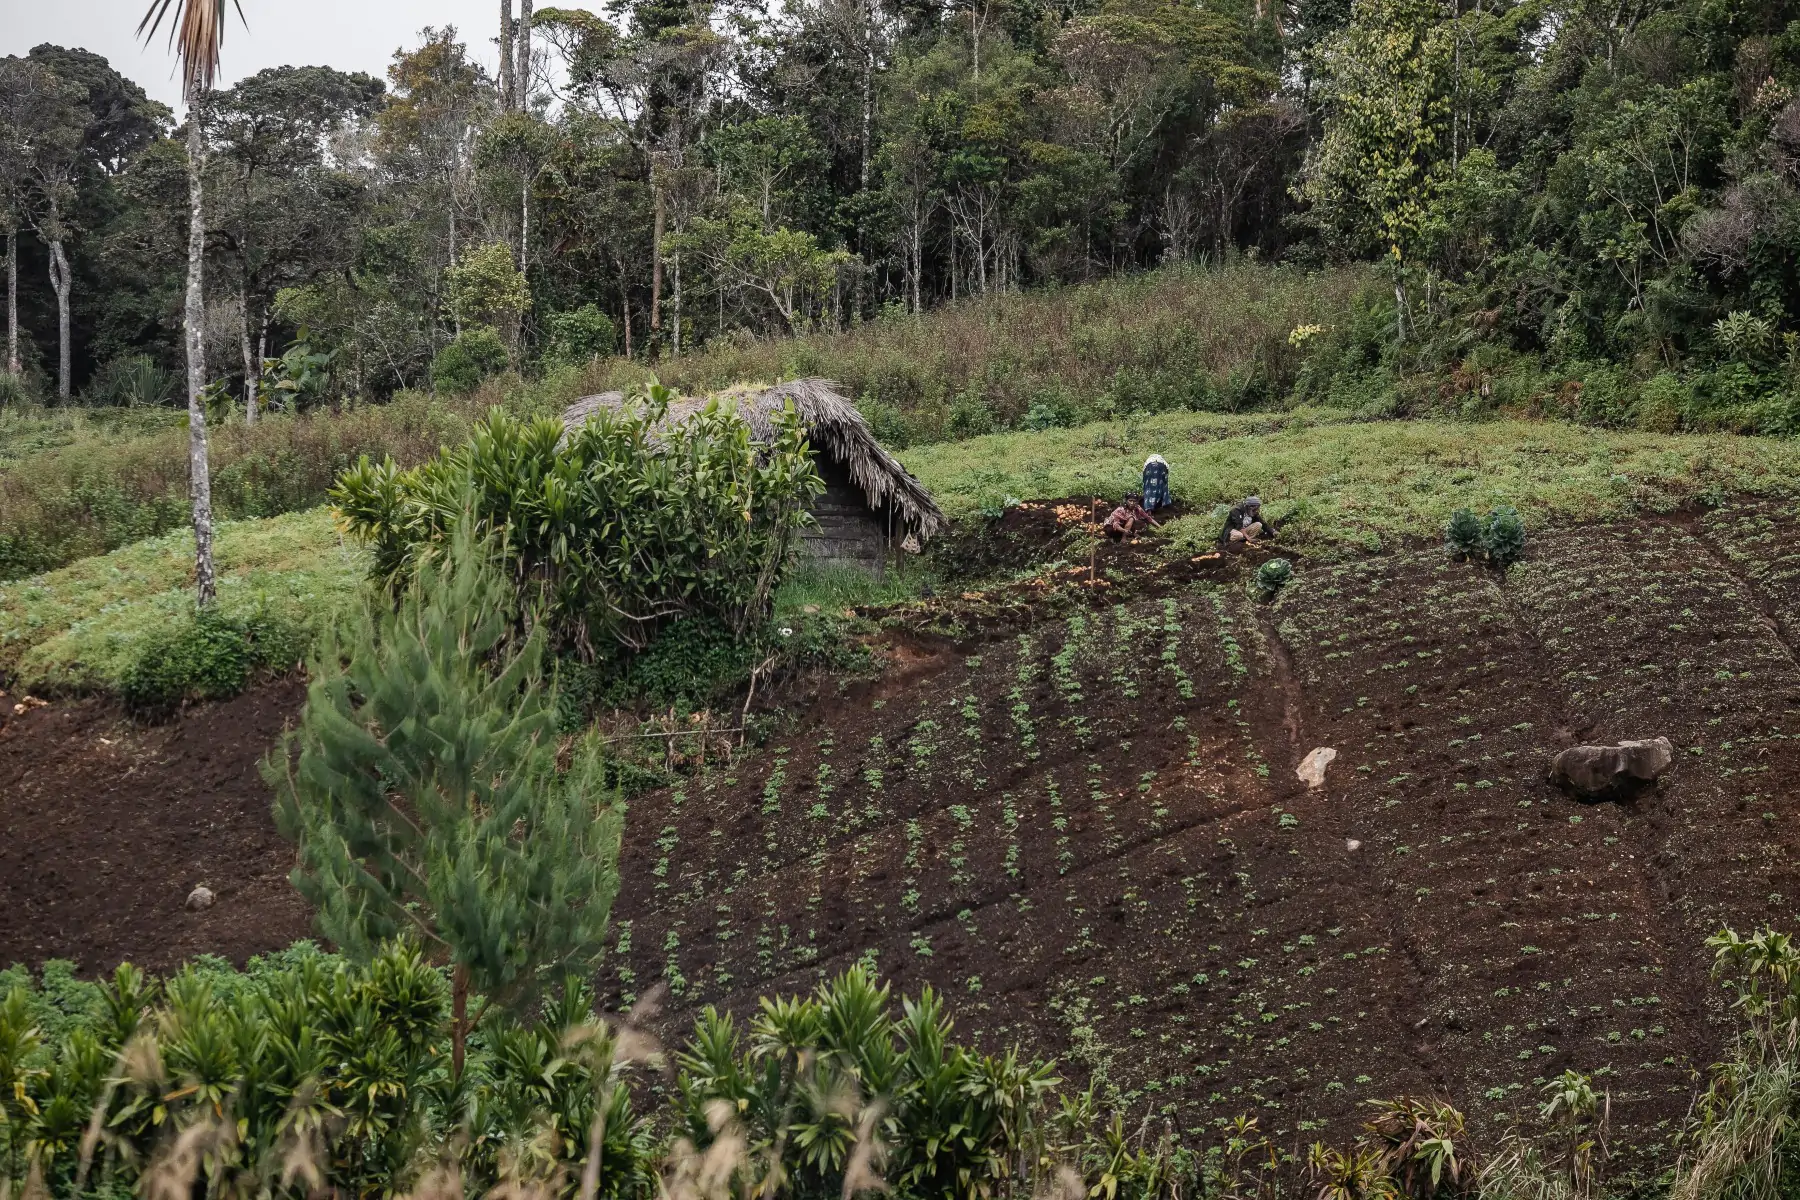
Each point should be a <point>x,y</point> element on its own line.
<point>1246,523</point>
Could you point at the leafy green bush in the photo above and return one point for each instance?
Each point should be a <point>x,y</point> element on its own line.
<point>1500,539</point>
<point>1464,533</point>
<point>614,531</point>
<point>579,335</point>
<point>209,657</point>
<point>472,356</point>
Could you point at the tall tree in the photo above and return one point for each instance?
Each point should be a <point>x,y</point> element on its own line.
<point>196,33</point>
<point>287,213</point>
<point>33,112</point>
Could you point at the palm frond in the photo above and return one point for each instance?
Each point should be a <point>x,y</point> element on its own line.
<point>196,33</point>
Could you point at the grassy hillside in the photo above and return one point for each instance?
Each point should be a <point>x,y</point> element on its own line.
<point>1344,486</point>
<point>1177,338</point>
<point>1347,484</point>
<point>77,482</point>
<point>81,628</point>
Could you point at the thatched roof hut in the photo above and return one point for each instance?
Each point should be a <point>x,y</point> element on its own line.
<point>870,500</point>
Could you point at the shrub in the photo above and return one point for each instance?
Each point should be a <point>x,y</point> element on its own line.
<point>14,392</point>
<point>1500,539</point>
<point>209,657</point>
<point>613,531</point>
<point>579,335</point>
<point>1464,533</point>
<point>473,355</point>
<point>132,381</point>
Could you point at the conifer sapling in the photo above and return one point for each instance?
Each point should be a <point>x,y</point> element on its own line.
<point>422,788</point>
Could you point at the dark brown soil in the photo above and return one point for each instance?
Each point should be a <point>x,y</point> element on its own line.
<point>110,824</point>
<point>1082,824</point>
<point>1071,807</point>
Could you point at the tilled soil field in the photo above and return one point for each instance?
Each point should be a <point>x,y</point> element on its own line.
<point>1089,834</point>
<point>110,824</point>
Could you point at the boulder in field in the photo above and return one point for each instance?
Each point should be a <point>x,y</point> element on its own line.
<point>1606,770</point>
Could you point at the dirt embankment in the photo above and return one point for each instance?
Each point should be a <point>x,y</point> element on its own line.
<point>110,824</point>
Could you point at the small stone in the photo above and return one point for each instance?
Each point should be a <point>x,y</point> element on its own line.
<point>200,899</point>
<point>1352,844</point>
<point>810,609</point>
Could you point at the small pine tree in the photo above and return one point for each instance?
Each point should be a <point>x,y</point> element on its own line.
<point>1504,537</point>
<point>422,788</point>
<point>1464,533</point>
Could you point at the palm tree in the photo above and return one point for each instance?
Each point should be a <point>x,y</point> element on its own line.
<point>196,31</point>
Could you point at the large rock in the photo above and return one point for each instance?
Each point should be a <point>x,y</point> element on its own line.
<point>1604,770</point>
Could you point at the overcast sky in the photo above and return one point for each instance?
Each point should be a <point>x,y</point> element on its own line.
<point>351,35</point>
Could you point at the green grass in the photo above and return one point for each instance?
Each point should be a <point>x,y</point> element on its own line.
<point>75,483</point>
<point>1343,485</point>
<point>1347,484</point>
<point>80,628</point>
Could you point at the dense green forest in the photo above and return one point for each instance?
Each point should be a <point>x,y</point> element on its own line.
<point>1604,190</point>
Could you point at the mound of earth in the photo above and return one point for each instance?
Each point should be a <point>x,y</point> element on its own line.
<point>110,824</point>
<point>1088,833</point>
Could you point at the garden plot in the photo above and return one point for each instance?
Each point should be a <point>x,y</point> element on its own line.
<point>1089,835</point>
<point>1535,933</point>
<point>1083,832</point>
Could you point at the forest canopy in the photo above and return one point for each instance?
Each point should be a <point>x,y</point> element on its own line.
<point>1612,189</point>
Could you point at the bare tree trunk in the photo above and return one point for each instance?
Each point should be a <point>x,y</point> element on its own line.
<point>60,282</point>
<point>625,311</point>
<point>656,266</point>
<point>522,66</point>
<point>252,371</point>
<point>193,320</point>
<point>677,265</point>
<point>12,301</point>
<point>506,55</point>
<point>459,1018</point>
<point>868,123</point>
<point>262,352</point>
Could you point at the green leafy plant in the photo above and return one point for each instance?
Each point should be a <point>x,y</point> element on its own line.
<point>1464,533</point>
<point>132,380</point>
<point>301,377</point>
<point>1500,539</point>
<point>423,790</point>
<point>1504,537</point>
<point>208,656</point>
<point>580,335</point>
<point>615,529</point>
<point>475,354</point>
<point>1271,577</point>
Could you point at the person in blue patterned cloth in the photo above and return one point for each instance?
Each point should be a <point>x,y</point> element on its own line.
<point>1156,483</point>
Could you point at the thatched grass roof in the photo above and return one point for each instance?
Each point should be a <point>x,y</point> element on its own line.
<point>834,427</point>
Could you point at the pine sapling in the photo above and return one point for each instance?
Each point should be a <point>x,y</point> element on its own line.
<point>423,791</point>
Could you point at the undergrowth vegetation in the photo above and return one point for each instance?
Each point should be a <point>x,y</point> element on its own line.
<point>1186,337</point>
<point>75,483</point>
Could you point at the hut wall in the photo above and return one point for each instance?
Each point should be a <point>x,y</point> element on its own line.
<point>848,531</point>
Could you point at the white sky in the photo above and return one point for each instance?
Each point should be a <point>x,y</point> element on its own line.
<point>351,35</point>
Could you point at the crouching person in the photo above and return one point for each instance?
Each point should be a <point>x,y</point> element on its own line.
<point>1246,523</point>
